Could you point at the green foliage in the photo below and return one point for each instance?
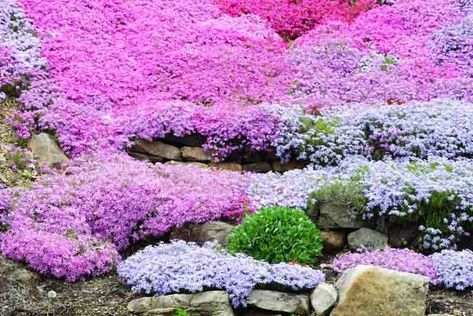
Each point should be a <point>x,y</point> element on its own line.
<point>181,312</point>
<point>277,234</point>
<point>346,192</point>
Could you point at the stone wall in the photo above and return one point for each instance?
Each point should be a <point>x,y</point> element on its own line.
<point>188,150</point>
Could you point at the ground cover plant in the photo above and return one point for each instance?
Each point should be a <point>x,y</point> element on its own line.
<point>375,96</point>
<point>193,268</point>
<point>74,225</point>
<point>277,234</point>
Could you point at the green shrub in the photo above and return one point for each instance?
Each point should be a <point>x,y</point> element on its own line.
<point>277,234</point>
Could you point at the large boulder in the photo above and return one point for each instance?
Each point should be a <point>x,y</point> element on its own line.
<point>45,148</point>
<point>367,238</point>
<point>201,233</point>
<point>279,302</point>
<point>335,216</point>
<point>210,303</point>
<point>323,298</point>
<point>370,290</point>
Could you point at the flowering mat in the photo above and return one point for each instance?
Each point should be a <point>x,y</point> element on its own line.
<point>374,97</point>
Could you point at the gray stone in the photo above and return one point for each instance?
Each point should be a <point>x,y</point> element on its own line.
<point>279,301</point>
<point>291,165</point>
<point>158,149</point>
<point>210,303</point>
<point>333,216</point>
<point>323,298</point>
<point>370,290</point>
<point>334,241</point>
<point>16,272</point>
<point>201,233</point>
<point>195,154</point>
<point>230,166</point>
<point>367,238</point>
<point>45,148</point>
<point>260,167</point>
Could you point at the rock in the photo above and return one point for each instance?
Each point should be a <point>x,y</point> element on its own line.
<point>210,303</point>
<point>370,290</point>
<point>367,238</point>
<point>197,164</point>
<point>201,233</point>
<point>145,157</point>
<point>231,166</point>
<point>279,301</point>
<point>332,215</point>
<point>323,298</point>
<point>334,241</point>
<point>16,272</point>
<point>260,167</point>
<point>157,148</point>
<point>45,148</point>
<point>195,154</point>
<point>291,165</point>
<point>181,163</point>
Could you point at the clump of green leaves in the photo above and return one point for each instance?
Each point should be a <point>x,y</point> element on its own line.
<point>278,234</point>
<point>181,312</point>
<point>347,192</point>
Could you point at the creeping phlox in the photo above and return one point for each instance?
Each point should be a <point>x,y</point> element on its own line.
<point>72,226</point>
<point>192,268</point>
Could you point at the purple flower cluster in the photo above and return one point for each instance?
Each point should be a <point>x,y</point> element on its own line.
<point>387,55</point>
<point>403,260</point>
<point>73,224</point>
<point>414,130</point>
<point>291,189</point>
<point>19,48</point>
<point>454,268</point>
<point>5,198</point>
<point>187,267</point>
<point>226,128</point>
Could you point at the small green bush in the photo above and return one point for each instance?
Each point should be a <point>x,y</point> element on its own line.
<point>277,234</point>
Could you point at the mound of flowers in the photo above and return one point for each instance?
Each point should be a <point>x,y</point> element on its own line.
<point>414,130</point>
<point>411,50</point>
<point>436,194</point>
<point>19,48</point>
<point>448,268</point>
<point>403,260</point>
<point>181,266</point>
<point>73,224</point>
<point>153,51</point>
<point>454,268</point>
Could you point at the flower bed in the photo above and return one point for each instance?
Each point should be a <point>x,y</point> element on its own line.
<point>392,53</point>
<point>454,268</point>
<point>186,267</point>
<point>415,130</point>
<point>81,220</point>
